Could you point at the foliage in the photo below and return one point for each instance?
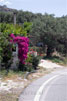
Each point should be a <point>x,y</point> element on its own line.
<point>50,30</point>
<point>5,45</point>
<point>6,17</point>
<point>35,62</point>
<point>6,30</point>
<point>5,51</point>
<point>10,28</point>
<point>33,58</point>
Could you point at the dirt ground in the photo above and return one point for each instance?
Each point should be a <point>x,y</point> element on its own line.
<point>11,87</point>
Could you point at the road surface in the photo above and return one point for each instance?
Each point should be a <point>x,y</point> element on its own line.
<point>52,87</point>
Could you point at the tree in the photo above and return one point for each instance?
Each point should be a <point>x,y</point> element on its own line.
<point>51,32</point>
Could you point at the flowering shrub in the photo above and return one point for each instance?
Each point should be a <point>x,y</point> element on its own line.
<point>23,43</point>
<point>34,57</point>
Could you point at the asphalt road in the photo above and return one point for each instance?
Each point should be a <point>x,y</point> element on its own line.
<point>52,87</point>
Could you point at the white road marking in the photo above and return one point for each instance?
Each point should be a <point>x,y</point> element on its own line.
<point>39,92</point>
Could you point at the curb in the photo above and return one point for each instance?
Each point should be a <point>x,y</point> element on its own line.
<point>28,73</point>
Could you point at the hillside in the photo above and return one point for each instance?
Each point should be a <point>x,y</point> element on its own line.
<point>4,8</point>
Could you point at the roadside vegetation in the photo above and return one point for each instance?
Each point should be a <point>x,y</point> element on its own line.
<point>57,59</point>
<point>32,38</point>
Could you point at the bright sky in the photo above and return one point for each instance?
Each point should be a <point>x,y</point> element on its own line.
<point>57,7</point>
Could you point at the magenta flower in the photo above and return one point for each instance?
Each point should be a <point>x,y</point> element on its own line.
<point>12,36</point>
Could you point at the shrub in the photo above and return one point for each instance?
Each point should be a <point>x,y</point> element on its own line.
<point>5,51</point>
<point>35,62</point>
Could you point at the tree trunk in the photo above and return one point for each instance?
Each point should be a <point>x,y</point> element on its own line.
<point>49,52</point>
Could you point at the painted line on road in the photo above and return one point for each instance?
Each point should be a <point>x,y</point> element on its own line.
<point>39,92</point>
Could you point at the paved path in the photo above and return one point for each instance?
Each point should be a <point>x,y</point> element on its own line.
<point>52,87</point>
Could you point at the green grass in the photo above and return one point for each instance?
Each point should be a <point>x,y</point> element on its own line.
<point>56,59</point>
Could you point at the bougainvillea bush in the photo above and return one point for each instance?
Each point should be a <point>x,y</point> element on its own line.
<point>23,43</point>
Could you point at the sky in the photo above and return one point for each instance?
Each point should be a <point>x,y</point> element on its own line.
<point>57,7</point>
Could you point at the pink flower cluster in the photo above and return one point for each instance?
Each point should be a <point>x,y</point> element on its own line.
<point>32,52</point>
<point>23,43</point>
